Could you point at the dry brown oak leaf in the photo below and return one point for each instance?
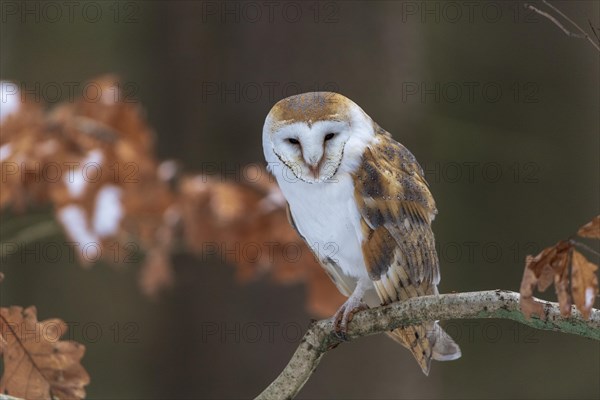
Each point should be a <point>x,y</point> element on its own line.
<point>591,229</point>
<point>37,364</point>
<point>574,278</point>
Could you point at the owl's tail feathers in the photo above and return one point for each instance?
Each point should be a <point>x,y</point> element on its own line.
<point>415,339</point>
<point>427,342</point>
<point>444,347</point>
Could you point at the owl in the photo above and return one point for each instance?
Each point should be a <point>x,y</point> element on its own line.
<point>360,201</point>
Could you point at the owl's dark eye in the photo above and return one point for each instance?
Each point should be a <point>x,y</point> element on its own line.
<point>293,141</point>
<point>329,136</point>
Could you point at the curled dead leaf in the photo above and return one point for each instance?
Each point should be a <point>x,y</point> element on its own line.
<point>591,229</point>
<point>584,283</point>
<point>540,271</point>
<point>574,277</point>
<point>529,306</point>
<point>562,284</point>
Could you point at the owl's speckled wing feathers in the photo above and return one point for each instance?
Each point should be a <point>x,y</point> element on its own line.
<point>398,246</point>
<point>397,210</point>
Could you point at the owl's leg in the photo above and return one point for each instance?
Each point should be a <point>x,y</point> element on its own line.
<point>351,306</point>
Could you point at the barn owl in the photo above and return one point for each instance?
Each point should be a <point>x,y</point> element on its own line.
<point>360,201</point>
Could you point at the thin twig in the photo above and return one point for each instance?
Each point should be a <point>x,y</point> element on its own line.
<point>582,35</point>
<point>555,21</point>
<point>594,31</point>
<point>584,246</point>
<point>474,305</point>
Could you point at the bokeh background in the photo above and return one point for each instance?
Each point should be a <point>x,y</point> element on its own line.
<point>498,105</point>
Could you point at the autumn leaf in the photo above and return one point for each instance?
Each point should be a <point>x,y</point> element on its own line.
<point>137,199</point>
<point>591,229</point>
<point>574,278</point>
<point>107,188</point>
<point>156,273</point>
<point>37,365</point>
<point>529,306</point>
<point>584,283</point>
<point>540,271</point>
<point>561,282</point>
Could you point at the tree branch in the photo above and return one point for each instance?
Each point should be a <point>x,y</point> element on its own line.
<point>474,305</point>
<point>582,35</point>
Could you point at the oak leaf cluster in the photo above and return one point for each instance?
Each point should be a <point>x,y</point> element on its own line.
<point>94,162</point>
<point>574,276</point>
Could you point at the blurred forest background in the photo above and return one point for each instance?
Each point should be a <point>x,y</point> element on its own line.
<point>498,105</point>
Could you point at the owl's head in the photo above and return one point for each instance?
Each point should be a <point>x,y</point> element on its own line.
<point>316,135</point>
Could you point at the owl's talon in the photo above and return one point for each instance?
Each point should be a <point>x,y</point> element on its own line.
<point>341,335</point>
<point>344,315</point>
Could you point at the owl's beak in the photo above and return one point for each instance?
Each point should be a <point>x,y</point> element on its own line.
<point>314,170</point>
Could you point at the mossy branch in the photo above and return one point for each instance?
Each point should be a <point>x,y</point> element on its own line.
<point>500,304</point>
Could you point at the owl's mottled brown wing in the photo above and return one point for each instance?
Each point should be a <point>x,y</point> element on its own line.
<point>398,246</point>
<point>397,210</point>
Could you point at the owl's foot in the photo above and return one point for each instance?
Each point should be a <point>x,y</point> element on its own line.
<point>345,314</point>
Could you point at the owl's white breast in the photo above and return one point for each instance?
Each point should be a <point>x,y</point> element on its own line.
<point>327,217</point>
<point>325,213</point>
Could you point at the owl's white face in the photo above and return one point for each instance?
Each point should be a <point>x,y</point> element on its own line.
<point>315,135</point>
<point>312,153</point>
